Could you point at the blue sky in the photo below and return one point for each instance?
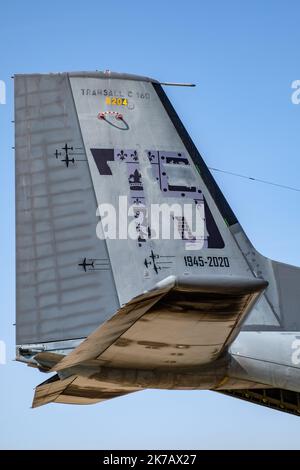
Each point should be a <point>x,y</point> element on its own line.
<point>243,56</point>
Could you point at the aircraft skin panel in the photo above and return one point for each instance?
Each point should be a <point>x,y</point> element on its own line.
<point>145,145</point>
<point>267,349</point>
<point>57,299</point>
<point>277,347</point>
<point>279,307</point>
<point>269,357</point>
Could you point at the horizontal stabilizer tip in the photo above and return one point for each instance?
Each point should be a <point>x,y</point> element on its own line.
<point>76,391</point>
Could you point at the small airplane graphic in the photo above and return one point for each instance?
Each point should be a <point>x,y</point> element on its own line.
<point>85,264</point>
<point>158,262</point>
<point>66,148</point>
<point>153,258</point>
<point>68,160</point>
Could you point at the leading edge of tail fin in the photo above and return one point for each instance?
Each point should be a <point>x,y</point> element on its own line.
<point>199,162</point>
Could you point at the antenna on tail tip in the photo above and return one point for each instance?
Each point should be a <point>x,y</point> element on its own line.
<point>177,84</point>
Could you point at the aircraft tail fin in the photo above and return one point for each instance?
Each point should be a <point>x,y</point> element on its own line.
<point>85,143</point>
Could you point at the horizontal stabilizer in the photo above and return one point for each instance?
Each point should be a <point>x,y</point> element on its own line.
<point>47,360</point>
<point>107,333</point>
<point>76,391</point>
<point>198,316</point>
<point>50,390</point>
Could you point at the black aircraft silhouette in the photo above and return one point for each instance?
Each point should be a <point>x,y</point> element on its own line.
<point>68,160</point>
<point>57,154</point>
<point>85,264</point>
<point>153,257</point>
<point>66,148</point>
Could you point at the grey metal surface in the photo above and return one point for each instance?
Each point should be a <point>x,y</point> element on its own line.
<point>287,279</point>
<point>147,130</point>
<point>279,308</point>
<point>276,375</point>
<point>56,219</point>
<point>106,74</point>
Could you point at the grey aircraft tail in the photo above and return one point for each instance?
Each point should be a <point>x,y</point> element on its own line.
<point>118,308</point>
